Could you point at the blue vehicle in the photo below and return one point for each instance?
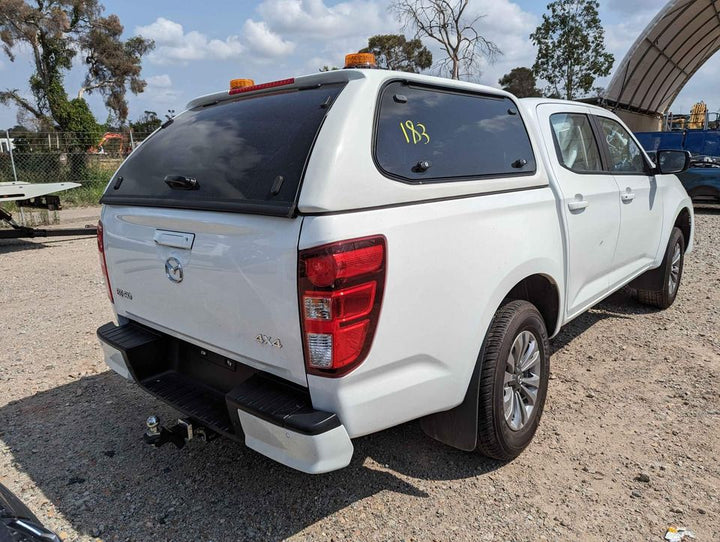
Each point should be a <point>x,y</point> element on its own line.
<point>702,179</point>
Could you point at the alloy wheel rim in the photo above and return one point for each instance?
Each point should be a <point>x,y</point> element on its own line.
<point>522,380</point>
<point>674,279</point>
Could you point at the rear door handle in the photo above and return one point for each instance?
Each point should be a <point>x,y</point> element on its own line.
<point>578,205</point>
<point>175,239</point>
<point>627,196</point>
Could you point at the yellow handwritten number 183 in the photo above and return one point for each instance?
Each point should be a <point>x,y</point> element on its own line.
<point>417,132</point>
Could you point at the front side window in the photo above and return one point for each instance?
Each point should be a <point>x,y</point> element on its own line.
<point>625,155</point>
<point>576,146</point>
<point>426,134</point>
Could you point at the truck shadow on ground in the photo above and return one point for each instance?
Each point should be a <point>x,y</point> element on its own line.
<point>619,305</point>
<point>81,445</point>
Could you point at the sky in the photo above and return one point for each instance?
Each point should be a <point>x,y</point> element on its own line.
<point>201,46</point>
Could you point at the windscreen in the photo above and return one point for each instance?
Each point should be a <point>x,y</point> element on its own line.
<point>247,155</point>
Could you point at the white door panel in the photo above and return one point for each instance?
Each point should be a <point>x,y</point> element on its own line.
<point>641,223</point>
<point>590,203</point>
<point>640,202</point>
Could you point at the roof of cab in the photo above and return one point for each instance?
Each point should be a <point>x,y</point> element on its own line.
<point>531,103</point>
<point>346,75</point>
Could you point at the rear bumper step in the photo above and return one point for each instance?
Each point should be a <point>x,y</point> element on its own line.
<point>271,416</point>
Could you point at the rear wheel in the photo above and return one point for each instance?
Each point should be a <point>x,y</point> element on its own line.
<point>673,268</point>
<point>515,365</point>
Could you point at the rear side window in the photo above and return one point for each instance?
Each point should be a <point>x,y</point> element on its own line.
<point>575,143</point>
<point>430,135</point>
<point>246,154</point>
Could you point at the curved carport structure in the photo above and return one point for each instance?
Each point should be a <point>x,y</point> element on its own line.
<point>678,41</point>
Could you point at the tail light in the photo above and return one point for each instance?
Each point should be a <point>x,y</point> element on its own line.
<point>340,291</point>
<point>103,263</point>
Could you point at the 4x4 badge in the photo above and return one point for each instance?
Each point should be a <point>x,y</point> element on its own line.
<point>265,339</point>
<point>174,269</point>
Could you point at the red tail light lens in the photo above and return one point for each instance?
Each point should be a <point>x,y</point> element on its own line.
<point>341,288</point>
<point>103,263</point>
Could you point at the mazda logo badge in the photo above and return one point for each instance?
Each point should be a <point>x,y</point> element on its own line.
<point>174,270</point>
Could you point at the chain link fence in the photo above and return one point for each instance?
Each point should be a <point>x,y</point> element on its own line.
<point>50,157</point>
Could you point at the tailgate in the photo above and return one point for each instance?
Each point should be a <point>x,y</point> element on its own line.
<point>223,281</point>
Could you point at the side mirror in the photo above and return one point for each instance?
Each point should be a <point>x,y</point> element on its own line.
<point>672,161</point>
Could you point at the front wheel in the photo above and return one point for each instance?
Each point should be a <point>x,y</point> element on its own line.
<point>515,366</point>
<point>672,267</point>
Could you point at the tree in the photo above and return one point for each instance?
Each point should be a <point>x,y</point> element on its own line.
<point>395,52</point>
<point>146,124</point>
<point>571,48</point>
<point>448,23</point>
<point>520,82</point>
<point>55,31</point>
<point>327,68</point>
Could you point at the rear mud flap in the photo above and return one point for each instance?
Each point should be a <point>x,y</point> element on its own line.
<point>458,427</point>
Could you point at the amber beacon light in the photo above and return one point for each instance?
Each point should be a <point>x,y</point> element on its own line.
<point>241,83</point>
<point>360,60</point>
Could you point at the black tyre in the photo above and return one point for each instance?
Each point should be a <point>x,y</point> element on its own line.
<point>672,273</point>
<point>515,365</point>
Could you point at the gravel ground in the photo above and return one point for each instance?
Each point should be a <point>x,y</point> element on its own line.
<point>628,444</point>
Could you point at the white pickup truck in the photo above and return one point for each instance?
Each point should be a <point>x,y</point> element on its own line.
<point>303,262</point>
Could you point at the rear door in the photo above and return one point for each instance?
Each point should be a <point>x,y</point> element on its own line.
<point>641,213</point>
<point>200,235</point>
<point>589,201</point>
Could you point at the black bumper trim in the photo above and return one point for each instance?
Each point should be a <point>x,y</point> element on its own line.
<point>151,357</point>
<point>282,405</point>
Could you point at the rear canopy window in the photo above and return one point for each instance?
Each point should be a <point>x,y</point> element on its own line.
<point>426,134</point>
<point>247,154</point>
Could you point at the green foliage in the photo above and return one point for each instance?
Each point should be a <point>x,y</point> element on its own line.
<point>327,68</point>
<point>54,32</point>
<point>96,179</point>
<point>395,52</point>
<point>520,82</point>
<point>571,48</point>
<point>80,122</point>
<point>146,124</point>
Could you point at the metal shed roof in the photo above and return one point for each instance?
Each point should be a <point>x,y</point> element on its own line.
<point>676,43</point>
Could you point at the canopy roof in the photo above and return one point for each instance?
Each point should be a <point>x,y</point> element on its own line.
<point>676,43</point>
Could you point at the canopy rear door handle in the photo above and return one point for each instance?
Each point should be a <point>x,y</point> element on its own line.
<point>178,182</point>
<point>578,205</point>
<point>174,239</point>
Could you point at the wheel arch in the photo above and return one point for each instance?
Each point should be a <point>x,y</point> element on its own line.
<point>543,292</point>
<point>458,427</point>
<point>684,222</point>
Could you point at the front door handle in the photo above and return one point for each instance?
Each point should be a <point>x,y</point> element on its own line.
<point>627,197</point>
<point>578,205</point>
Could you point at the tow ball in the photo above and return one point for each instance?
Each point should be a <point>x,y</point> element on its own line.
<point>179,434</point>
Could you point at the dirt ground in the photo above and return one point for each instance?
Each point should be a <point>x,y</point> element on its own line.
<point>628,444</point>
